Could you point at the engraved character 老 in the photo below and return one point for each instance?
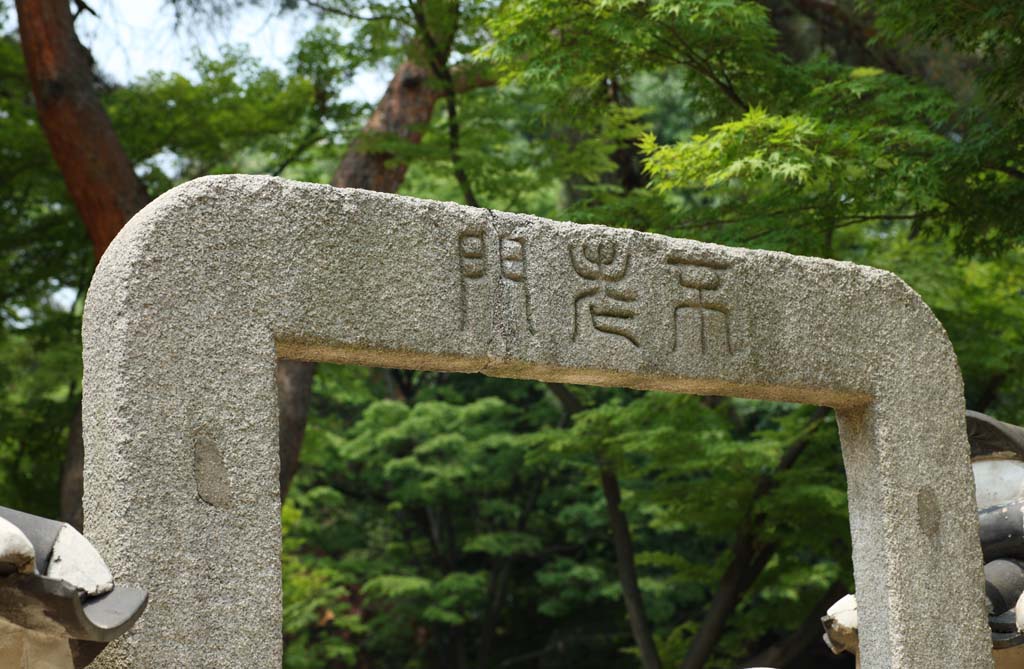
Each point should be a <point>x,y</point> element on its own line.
<point>611,309</point>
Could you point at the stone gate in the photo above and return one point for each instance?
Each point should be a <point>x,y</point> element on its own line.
<point>210,284</point>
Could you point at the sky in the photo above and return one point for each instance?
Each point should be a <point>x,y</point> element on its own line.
<point>133,37</point>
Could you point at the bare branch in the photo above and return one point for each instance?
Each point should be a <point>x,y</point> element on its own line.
<point>83,7</point>
<point>304,145</point>
<point>338,11</point>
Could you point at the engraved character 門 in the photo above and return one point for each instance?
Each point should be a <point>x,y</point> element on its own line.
<point>702,309</point>
<point>472,246</point>
<point>512,261</point>
<point>512,258</point>
<point>603,264</point>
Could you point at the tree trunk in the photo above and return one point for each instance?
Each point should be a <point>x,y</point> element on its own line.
<point>403,111</point>
<point>99,176</point>
<point>97,172</point>
<point>749,556</point>
<point>625,561</point>
<point>749,560</point>
<point>294,389</point>
<point>625,556</point>
<point>71,474</point>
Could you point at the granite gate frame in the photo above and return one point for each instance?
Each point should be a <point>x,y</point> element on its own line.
<point>210,284</point>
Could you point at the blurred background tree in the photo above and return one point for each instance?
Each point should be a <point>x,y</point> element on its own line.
<point>442,520</point>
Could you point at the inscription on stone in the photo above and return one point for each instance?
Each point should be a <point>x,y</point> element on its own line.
<point>473,261</point>
<point>700,319</point>
<point>611,309</point>
<point>512,257</point>
<point>472,264</point>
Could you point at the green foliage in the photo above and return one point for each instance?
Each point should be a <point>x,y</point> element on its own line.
<point>42,247</point>
<point>988,32</point>
<point>421,507</point>
<point>863,146</point>
<point>818,144</point>
<point>437,512</point>
<point>237,116</point>
<point>449,520</point>
<point>599,40</point>
<point>817,169</point>
<point>695,475</point>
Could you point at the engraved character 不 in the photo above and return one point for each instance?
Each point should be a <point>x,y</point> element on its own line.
<point>703,310</point>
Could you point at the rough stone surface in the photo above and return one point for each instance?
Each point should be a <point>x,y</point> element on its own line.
<point>214,280</point>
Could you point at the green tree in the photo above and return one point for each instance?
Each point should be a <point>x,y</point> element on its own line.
<point>449,520</point>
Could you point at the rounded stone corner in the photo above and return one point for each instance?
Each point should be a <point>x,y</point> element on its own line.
<point>917,318</point>
<point>185,201</point>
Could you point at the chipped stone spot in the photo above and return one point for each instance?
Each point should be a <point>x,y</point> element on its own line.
<point>211,474</point>
<point>928,514</point>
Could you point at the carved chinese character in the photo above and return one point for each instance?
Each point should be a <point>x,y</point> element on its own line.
<point>602,263</point>
<point>512,261</point>
<point>472,253</point>
<point>703,310</point>
<point>512,258</point>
